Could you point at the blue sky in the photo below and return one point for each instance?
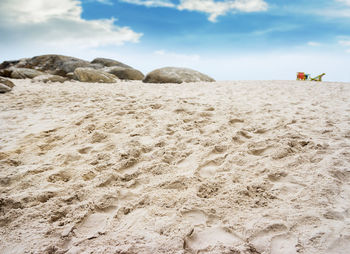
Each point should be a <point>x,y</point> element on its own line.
<point>227,39</point>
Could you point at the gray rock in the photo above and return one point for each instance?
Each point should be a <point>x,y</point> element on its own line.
<point>22,63</point>
<point>4,88</point>
<point>5,73</point>
<point>20,73</point>
<point>109,62</point>
<point>176,75</point>
<point>8,64</point>
<point>70,66</point>
<point>125,73</point>
<point>92,75</point>
<point>54,64</point>
<point>6,82</point>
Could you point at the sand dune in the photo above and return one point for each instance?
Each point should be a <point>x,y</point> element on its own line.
<point>224,167</point>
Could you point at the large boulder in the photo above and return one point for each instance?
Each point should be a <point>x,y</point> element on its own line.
<point>176,75</point>
<point>125,73</point>
<point>94,76</point>
<point>109,62</point>
<point>20,73</point>
<point>56,64</point>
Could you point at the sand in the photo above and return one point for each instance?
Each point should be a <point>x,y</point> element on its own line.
<point>225,167</point>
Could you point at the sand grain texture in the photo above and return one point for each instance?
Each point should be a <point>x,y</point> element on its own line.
<point>224,167</point>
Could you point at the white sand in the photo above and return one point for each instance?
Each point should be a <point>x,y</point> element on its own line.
<point>225,167</point>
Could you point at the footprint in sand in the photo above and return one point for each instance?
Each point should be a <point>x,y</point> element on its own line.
<point>201,240</point>
<point>340,246</point>
<point>188,165</point>
<point>285,244</point>
<point>89,176</point>
<point>259,151</point>
<point>211,167</point>
<point>208,170</point>
<point>194,217</point>
<point>274,236</point>
<point>285,185</point>
<point>60,176</point>
<point>94,225</point>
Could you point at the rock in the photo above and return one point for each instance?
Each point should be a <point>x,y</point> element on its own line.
<point>51,64</point>
<point>70,66</point>
<point>50,78</point>
<point>70,75</point>
<point>176,75</point>
<point>5,73</point>
<point>7,64</point>
<point>6,82</point>
<point>57,65</point>
<point>5,85</point>
<point>4,88</point>
<point>20,73</point>
<point>109,62</point>
<point>54,64</point>
<point>21,63</point>
<point>125,73</point>
<point>92,75</point>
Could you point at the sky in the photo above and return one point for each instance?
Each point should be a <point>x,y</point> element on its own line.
<point>226,39</point>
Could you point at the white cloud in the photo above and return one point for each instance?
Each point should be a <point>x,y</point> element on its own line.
<point>345,42</point>
<point>212,7</point>
<point>151,3</point>
<point>313,44</point>
<point>177,56</point>
<point>108,2</point>
<point>215,8</point>
<point>346,2</point>
<point>36,11</point>
<point>57,23</point>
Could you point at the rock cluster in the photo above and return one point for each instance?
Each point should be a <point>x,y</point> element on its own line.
<point>58,68</point>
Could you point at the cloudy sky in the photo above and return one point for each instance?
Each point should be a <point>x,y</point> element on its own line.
<point>227,39</point>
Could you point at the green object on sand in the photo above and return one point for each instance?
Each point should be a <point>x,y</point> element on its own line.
<point>318,78</point>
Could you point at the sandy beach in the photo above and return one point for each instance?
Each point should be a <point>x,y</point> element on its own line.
<point>224,167</point>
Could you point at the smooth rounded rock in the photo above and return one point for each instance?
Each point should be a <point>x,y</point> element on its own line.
<point>53,64</point>
<point>176,75</point>
<point>21,73</point>
<point>125,73</point>
<point>94,76</point>
<point>109,62</point>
